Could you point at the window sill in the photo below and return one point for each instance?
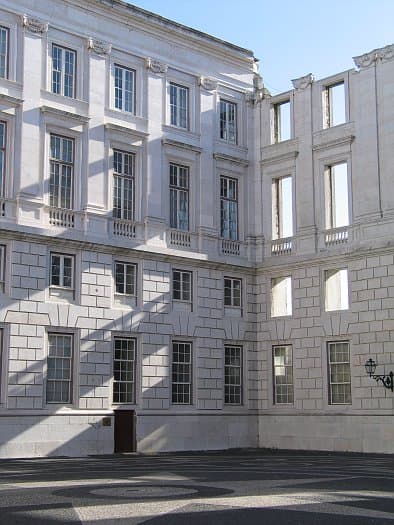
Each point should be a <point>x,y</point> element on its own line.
<point>66,104</point>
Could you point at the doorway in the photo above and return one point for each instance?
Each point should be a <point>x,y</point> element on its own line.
<point>125,434</point>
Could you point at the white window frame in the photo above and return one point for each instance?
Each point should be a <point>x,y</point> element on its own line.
<point>3,158</point>
<point>71,360</point>
<point>55,198</point>
<point>4,30</point>
<point>224,199</point>
<point>188,367</point>
<point>336,299</point>
<point>226,107</point>
<point>127,214</point>
<point>331,383</point>
<point>232,297</point>
<point>278,208</point>
<point>178,191</point>
<point>62,257</point>
<point>329,195</point>
<point>182,291</point>
<point>3,264</point>
<point>286,300</point>
<point>124,69</point>
<point>284,368</point>
<point>175,109</point>
<point>126,265</point>
<point>233,390</point>
<point>62,89</point>
<point>133,382</point>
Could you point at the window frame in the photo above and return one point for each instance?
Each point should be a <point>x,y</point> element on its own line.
<point>329,195</point>
<point>289,297</point>
<point>133,391</point>
<point>274,376</point>
<point>61,163</point>
<point>72,360</point>
<point>277,215</point>
<point>326,276</point>
<point>177,121</point>
<point>64,49</point>
<point>225,199</point>
<point>329,382</point>
<point>117,65</point>
<point>134,283</point>
<point>277,125</point>
<point>6,55</point>
<point>232,280</point>
<point>240,384</point>
<point>123,176</point>
<point>225,105</point>
<point>178,190</point>
<point>189,363</point>
<point>328,105</point>
<point>62,256</point>
<point>182,274</point>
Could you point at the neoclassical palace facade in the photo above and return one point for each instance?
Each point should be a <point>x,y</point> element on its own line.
<point>187,262</point>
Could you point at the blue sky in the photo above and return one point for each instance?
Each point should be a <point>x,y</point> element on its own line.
<point>292,37</point>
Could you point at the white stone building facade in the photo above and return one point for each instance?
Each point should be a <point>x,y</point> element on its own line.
<point>186,261</point>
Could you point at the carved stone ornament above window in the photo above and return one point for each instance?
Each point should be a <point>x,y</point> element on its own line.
<point>366,59</point>
<point>99,47</point>
<point>34,25</point>
<point>208,83</point>
<point>156,66</point>
<point>303,82</point>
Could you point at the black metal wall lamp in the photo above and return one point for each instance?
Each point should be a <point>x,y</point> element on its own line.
<point>387,380</point>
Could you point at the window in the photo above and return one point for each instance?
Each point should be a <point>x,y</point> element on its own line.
<point>125,278</point>
<point>282,208</point>
<point>334,105</point>
<point>339,373</point>
<point>283,374</point>
<point>179,197</point>
<point>3,134</point>
<point>336,196</point>
<point>179,102</point>
<point>62,271</point>
<point>123,185</point>
<point>228,121</point>
<point>281,296</point>
<point>124,370</point>
<point>182,285</point>
<point>59,368</point>
<point>63,71</point>
<point>282,123</point>
<point>124,88</point>
<point>232,292</point>
<point>181,372</point>
<point>2,267</point>
<point>228,208</point>
<point>232,375</point>
<point>336,290</point>
<point>4,38</point>
<point>61,172</point>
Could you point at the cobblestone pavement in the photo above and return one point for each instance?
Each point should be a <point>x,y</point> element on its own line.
<point>251,487</point>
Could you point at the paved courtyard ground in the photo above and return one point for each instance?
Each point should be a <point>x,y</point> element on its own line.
<point>242,487</point>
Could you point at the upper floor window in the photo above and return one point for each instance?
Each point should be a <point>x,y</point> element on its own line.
<point>63,71</point>
<point>232,292</point>
<point>124,88</point>
<point>125,278</point>
<point>123,185</point>
<point>181,373</point>
<point>4,38</point>
<point>281,298</point>
<point>283,374</point>
<point>282,208</point>
<point>336,196</point>
<point>228,121</point>
<point>2,269</point>
<point>179,102</point>
<point>339,373</point>
<point>124,370</point>
<point>282,122</point>
<point>182,285</point>
<point>3,134</point>
<point>336,288</point>
<point>59,368</point>
<point>179,197</point>
<point>61,172</point>
<point>232,375</point>
<point>62,270</point>
<point>334,105</point>
<point>229,208</point>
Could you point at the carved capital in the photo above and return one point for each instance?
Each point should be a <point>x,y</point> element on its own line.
<point>34,25</point>
<point>387,52</point>
<point>99,47</point>
<point>365,60</point>
<point>208,83</point>
<point>156,66</point>
<point>303,82</point>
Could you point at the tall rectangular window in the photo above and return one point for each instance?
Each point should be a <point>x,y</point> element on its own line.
<point>2,267</point>
<point>334,105</point>
<point>282,208</point>
<point>283,374</point>
<point>179,106</point>
<point>228,208</point>
<point>59,368</point>
<point>232,292</point>
<point>63,71</point>
<point>3,135</point>
<point>123,185</point>
<point>339,373</point>
<point>282,121</point>
<point>124,370</point>
<point>179,197</point>
<point>4,39</point>
<point>181,373</point>
<point>281,299</point>
<point>62,271</point>
<point>336,290</point>
<point>232,375</point>
<point>61,172</point>
<point>228,121</point>
<point>336,196</point>
<point>125,278</point>
<point>124,88</point>
<point>182,285</point>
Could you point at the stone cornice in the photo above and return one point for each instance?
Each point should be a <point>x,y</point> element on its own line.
<point>230,158</point>
<point>126,130</point>
<point>182,145</point>
<point>64,114</point>
<point>334,143</point>
<point>9,99</point>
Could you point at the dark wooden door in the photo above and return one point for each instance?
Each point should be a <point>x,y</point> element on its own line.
<point>125,440</point>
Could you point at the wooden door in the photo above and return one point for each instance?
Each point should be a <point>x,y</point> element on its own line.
<point>125,440</point>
